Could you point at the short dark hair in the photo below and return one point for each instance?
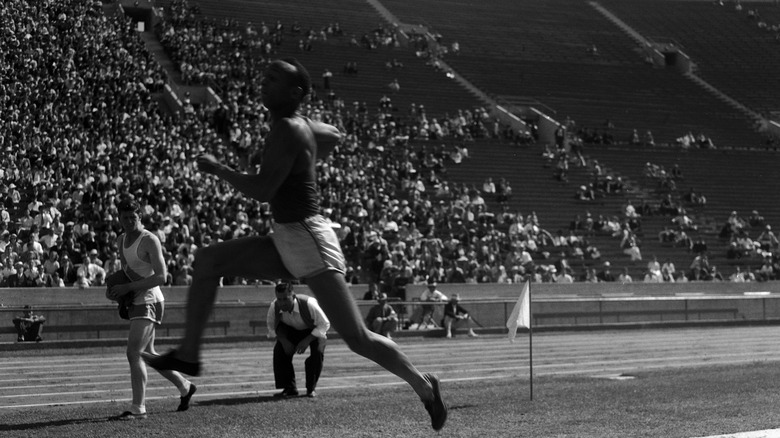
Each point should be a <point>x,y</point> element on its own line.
<point>128,205</point>
<point>301,77</point>
<point>283,287</point>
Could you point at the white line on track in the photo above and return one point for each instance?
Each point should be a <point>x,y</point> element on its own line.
<point>101,376</point>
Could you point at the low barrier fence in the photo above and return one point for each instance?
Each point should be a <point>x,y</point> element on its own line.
<point>101,321</point>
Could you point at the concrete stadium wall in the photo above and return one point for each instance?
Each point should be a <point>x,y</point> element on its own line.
<point>18,297</point>
<point>553,305</point>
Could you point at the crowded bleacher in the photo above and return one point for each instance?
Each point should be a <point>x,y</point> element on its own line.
<point>85,126</point>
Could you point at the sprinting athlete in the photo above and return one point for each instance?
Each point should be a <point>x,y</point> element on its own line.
<point>302,246</point>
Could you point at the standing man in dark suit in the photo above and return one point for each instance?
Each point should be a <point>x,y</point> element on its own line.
<point>297,322</point>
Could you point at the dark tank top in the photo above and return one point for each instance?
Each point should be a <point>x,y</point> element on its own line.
<point>295,200</point>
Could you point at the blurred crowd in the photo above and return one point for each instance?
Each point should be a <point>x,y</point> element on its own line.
<point>83,129</point>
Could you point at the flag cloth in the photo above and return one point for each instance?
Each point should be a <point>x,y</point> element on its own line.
<point>521,314</point>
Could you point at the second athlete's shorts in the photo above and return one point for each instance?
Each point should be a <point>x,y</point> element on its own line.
<point>309,247</point>
<point>151,311</point>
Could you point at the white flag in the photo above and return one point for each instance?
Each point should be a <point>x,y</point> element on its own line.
<point>521,314</point>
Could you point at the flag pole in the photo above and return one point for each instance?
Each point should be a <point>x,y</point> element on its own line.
<point>521,317</point>
<point>530,343</point>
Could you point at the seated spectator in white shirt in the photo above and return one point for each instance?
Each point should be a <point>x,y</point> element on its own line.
<point>650,278</point>
<point>488,187</point>
<point>563,277</point>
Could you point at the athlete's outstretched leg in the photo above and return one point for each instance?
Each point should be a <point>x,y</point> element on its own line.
<point>334,298</point>
<point>252,257</point>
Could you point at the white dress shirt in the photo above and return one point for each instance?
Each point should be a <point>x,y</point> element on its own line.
<point>294,319</point>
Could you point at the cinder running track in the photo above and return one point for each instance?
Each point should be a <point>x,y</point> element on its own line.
<point>101,375</point>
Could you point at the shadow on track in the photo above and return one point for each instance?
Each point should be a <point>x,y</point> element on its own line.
<point>242,401</point>
<point>47,424</point>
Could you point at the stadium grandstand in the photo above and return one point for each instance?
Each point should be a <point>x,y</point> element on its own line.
<point>500,142</point>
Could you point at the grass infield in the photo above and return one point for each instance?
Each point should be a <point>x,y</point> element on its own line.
<point>688,402</point>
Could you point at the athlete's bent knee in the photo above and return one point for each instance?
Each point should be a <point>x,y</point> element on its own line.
<point>358,341</point>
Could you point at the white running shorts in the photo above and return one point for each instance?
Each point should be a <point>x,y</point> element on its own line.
<point>309,247</point>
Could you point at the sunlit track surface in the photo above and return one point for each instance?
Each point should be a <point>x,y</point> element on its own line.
<point>244,370</point>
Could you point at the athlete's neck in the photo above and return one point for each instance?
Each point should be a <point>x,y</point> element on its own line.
<point>133,234</point>
<point>282,113</point>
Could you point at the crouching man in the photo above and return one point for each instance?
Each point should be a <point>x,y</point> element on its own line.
<point>382,318</point>
<point>456,315</point>
<point>297,322</point>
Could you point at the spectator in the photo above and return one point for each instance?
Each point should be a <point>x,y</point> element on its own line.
<point>382,318</point>
<point>767,271</point>
<point>737,276</point>
<point>654,268</point>
<point>32,275</point>
<point>756,220</point>
<point>591,276</point>
<point>681,217</point>
<point>649,140</point>
<point>90,274</point>
<point>744,244</point>
<point>695,198</point>
<point>68,272</point>
<point>625,276</point>
<point>630,211</point>
<point>699,246</point>
<point>714,274</point>
<point>51,264</point>
<point>394,86</point>
<point>456,315</point>
<point>732,225</point>
<point>29,326</point>
<point>650,278</point>
<point>372,293</point>
<point>668,267</point>
<point>375,254</point>
<point>11,273</point>
<point>748,275</point>
<point>326,77</point>
<point>489,188</point>
<point>631,248</point>
<point>563,276</point>
<point>94,258</point>
<point>430,295</point>
<point>667,235</point>
<point>767,240</point>
<point>112,264</point>
<point>605,274</point>
<point>54,280</point>
<point>700,267</point>
<point>668,206</point>
<point>585,193</point>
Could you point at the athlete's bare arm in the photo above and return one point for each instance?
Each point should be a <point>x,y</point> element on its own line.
<point>327,137</point>
<point>289,147</point>
<point>152,248</point>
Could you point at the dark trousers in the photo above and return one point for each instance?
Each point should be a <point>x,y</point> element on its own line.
<point>28,331</point>
<point>284,373</point>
